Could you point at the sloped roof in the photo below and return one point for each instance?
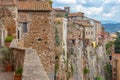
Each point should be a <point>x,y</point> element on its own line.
<point>76,14</point>
<point>34,5</point>
<point>85,23</point>
<point>116,56</point>
<point>7,3</point>
<point>58,9</point>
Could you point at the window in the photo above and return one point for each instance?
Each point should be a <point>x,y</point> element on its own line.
<point>25,27</point>
<point>91,33</point>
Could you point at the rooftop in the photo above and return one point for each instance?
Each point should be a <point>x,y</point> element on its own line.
<point>58,9</point>
<point>84,23</point>
<point>116,56</point>
<point>76,14</point>
<point>7,3</point>
<point>34,5</point>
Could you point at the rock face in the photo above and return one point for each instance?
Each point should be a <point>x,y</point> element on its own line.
<point>94,59</point>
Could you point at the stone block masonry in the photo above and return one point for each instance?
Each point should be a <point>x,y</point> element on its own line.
<point>29,60</point>
<point>40,36</point>
<point>33,68</point>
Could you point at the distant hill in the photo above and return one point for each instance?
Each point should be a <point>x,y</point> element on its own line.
<point>108,21</point>
<point>111,27</point>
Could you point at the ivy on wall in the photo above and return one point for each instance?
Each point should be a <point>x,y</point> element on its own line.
<point>108,47</point>
<point>108,73</point>
<point>57,39</point>
<point>86,70</point>
<point>98,78</point>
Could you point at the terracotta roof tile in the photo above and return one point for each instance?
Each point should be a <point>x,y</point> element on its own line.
<point>34,5</point>
<point>116,56</point>
<point>58,9</point>
<point>85,23</point>
<point>8,3</point>
<point>76,14</point>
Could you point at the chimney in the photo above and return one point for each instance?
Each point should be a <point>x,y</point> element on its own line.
<point>67,9</point>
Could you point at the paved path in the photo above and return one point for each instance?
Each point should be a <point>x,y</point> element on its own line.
<point>5,75</point>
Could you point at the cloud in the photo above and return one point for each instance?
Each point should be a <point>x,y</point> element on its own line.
<point>100,9</point>
<point>108,15</point>
<point>88,10</point>
<point>91,3</point>
<point>111,1</point>
<point>66,1</point>
<point>82,1</point>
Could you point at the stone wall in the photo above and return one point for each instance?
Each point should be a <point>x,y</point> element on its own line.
<point>94,59</point>
<point>8,19</point>
<point>17,57</point>
<point>40,36</point>
<point>33,68</point>
<point>29,60</point>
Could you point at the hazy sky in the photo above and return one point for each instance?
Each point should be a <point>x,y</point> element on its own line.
<point>97,9</point>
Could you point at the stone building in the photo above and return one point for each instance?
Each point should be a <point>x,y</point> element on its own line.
<point>8,18</point>
<point>61,26</point>
<point>113,37</point>
<point>75,16</point>
<point>61,46</point>
<point>97,29</point>
<point>35,30</point>
<point>58,12</point>
<point>79,27</point>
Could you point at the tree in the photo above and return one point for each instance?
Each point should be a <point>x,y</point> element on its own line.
<point>117,44</point>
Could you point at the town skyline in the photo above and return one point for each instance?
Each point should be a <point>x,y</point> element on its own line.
<point>102,10</point>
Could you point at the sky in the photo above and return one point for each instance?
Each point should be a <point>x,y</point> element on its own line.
<point>96,9</point>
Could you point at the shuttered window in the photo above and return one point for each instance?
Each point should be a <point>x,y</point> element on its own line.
<point>25,30</point>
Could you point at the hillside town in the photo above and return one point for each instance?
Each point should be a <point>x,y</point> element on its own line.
<point>41,42</point>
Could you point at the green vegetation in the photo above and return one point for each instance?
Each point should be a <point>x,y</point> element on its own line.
<point>60,15</point>
<point>72,69</point>
<point>66,15</point>
<point>5,52</point>
<point>117,44</point>
<point>8,39</point>
<point>74,26</point>
<point>57,39</point>
<point>58,22</point>
<point>51,2</point>
<point>108,73</point>
<point>71,51</point>
<point>69,70</point>
<point>98,78</point>
<point>19,71</point>
<point>109,47</point>
<point>63,52</point>
<point>86,70</point>
<point>56,67</point>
